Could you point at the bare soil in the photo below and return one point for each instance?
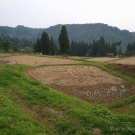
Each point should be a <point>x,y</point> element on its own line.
<point>4,55</point>
<point>126,61</point>
<point>103,59</point>
<point>33,60</point>
<point>85,82</point>
<point>124,69</point>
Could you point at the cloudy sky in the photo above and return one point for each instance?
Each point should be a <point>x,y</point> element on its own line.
<point>46,13</point>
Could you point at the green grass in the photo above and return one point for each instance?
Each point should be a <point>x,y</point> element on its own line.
<point>64,114</point>
<point>13,121</point>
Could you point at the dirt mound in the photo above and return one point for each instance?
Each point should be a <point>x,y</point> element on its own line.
<point>86,82</point>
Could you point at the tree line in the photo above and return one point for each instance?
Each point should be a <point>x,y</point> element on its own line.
<point>96,48</point>
<point>16,43</point>
<point>46,46</point>
<point>130,49</point>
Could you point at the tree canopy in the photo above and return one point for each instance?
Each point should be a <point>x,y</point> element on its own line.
<point>7,45</point>
<point>97,48</point>
<point>130,49</point>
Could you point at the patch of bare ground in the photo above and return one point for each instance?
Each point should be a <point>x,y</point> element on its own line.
<point>125,61</point>
<point>4,55</point>
<point>35,60</point>
<point>96,131</point>
<point>4,62</point>
<point>103,59</point>
<point>124,69</point>
<point>85,82</point>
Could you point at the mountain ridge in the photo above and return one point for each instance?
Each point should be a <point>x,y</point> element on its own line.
<point>77,32</point>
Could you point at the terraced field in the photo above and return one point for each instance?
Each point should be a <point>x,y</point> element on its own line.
<point>33,60</point>
<point>31,107</point>
<point>86,82</point>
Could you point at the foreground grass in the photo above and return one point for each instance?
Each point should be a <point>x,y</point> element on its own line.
<point>59,113</point>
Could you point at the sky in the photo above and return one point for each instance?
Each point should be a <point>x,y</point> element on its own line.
<point>46,13</point>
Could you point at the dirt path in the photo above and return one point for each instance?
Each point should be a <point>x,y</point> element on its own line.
<point>86,82</point>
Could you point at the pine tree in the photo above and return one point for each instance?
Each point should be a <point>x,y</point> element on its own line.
<point>119,51</point>
<point>63,40</point>
<point>45,44</point>
<point>37,46</point>
<point>53,47</point>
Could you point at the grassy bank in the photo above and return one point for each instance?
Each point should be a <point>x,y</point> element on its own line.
<point>47,111</point>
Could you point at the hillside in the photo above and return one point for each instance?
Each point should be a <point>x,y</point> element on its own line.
<point>21,32</point>
<point>77,32</point>
<point>88,32</point>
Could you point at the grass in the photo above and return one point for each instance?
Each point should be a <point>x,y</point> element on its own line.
<point>57,112</point>
<point>14,121</point>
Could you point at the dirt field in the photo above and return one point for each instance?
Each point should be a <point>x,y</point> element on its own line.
<point>32,60</point>
<point>103,59</point>
<point>86,82</point>
<point>126,61</point>
<point>4,55</point>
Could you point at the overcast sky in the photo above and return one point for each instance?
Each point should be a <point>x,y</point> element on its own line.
<point>46,13</point>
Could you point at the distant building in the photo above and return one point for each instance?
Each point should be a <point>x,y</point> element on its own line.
<point>110,54</point>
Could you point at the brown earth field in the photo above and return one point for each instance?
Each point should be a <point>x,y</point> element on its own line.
<point>85,82</point>
<point>33,60</point>
<point>125,61</point>
<point>124,69</point>
<point>103,59</point>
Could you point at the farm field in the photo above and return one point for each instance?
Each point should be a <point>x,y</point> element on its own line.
<point>86,82</point>
<point>33,60</point>
<point>54,95</point>
<point>103,59</point>
<point>126,61</point>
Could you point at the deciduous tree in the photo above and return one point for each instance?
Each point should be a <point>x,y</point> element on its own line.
<point>7,45</point>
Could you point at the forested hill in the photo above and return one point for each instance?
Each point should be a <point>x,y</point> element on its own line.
<point>88,32</point>
<point>76,32</point>
<point>21,32</point>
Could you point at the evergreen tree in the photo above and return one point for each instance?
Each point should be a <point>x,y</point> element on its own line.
<point>130,49</point>
<point>37,46</point>
<point>114,49</point>
<point>63,40</point>
<point>53,47</point>
<point>119,51</point>
<point>45,44</point>
<point>102,47</point>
